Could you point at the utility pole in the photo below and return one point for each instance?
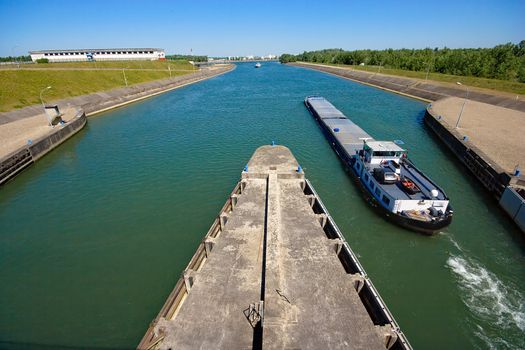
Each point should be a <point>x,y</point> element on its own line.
<point>125,79</point>
<point>16,60</point>
<point>428,65</point>
<point>43,104</point>
<point>463,106</point>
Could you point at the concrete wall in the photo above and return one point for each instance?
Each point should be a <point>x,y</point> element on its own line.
<point>493,178</point>
<point>514,204</point>
<point>14,163</point>
<point>416,88</point>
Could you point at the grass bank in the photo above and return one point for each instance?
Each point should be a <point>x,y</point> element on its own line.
<point>174,65</point>
<point>484,83</point>
<point>21,87</point>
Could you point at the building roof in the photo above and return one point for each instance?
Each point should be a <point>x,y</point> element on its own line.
<point>384,146</point>
<point>95,50</point>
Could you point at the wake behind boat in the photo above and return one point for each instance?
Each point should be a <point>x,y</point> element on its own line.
<point>389,179</point>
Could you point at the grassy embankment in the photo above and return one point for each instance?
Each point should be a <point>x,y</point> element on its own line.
<point>21,87</point>
<point>484,83</point>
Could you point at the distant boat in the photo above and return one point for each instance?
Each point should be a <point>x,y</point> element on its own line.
<point>257,65</point>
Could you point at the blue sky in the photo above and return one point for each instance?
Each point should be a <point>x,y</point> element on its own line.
<point>260,27</point>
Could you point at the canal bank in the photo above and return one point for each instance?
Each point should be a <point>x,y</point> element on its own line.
<point>147,180</point>
<point>423,90</point>
<point>26,137</point>
<point>489,141</point>
<point>105,100</point>
<point>23,144</point>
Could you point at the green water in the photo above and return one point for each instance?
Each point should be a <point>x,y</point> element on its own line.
<point>94,236</point>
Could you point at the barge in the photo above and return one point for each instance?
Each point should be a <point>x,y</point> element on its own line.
<point>389,180</point>
<point>259,280</point>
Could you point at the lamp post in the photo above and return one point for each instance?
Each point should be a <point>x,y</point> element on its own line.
<point>43,104</point>
<point>125,79</point>
<point>16,60</point>
<point>428,65</point>
<point>463,106</point>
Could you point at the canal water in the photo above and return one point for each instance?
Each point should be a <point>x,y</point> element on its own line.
<point>94,236</point>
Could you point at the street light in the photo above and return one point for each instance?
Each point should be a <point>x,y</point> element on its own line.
<point>463,106</point>
<point>41,92</point>
<point>43,104</point>
<point>16,61</point>
<point>428,66</point>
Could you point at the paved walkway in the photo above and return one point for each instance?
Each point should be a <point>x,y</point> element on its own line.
<point>17,133</point>
<point>498,132</point>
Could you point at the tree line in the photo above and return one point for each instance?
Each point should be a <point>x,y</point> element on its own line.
<point>15,59</point>
<point>188,58</point>
<point>505,62</point>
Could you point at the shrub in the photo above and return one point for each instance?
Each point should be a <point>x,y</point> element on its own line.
<point>42,60</point>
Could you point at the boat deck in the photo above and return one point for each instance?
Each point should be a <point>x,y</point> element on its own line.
<point>397,191</point>
<point>349,134</point>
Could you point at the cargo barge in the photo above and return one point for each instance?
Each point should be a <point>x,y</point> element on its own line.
<point>390,181</point>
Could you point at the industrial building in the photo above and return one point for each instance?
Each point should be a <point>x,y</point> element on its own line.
<point>149,54</point>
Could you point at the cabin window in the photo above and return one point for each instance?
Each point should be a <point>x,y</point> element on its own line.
<point>378,192</point>
<point>371,184</point>
<point>357,166</point>
<point>366,177</point>
<point>386,200</point>
<point>384,154</point>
